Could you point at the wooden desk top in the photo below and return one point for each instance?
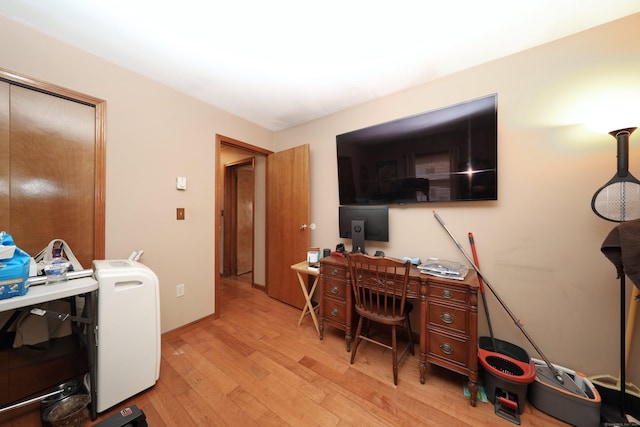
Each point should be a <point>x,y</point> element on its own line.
<point>470,280</point>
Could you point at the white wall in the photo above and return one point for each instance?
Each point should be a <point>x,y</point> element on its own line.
<point>539,244</point>
<point>153,135</point>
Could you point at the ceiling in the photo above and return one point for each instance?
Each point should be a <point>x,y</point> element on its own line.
<point>281,63</point>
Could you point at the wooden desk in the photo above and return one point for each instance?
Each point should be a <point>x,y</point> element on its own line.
<point>302,268</point>
<point>86,287</point>
<point>448,316</point>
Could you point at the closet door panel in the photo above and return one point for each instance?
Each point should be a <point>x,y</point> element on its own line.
<point>5,165</point>
<point>52,178</point>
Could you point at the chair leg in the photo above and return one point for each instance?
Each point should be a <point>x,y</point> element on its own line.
<point>356,341</point>
<point>366,327</point>
<point>413,352</point>
<point>394,354</point>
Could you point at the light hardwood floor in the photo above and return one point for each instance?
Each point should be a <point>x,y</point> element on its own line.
<point>252,365</point>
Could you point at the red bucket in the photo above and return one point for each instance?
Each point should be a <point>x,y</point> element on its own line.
<point>506,368</point>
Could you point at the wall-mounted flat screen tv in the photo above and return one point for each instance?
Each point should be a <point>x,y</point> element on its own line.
<point>449,154</point>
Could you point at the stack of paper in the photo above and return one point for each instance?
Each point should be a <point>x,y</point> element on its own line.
<point>444,268</point>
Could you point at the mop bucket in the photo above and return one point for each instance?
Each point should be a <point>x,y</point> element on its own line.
<point>506,372</point>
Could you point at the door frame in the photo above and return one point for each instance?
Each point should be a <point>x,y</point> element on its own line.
<point>221,141</point>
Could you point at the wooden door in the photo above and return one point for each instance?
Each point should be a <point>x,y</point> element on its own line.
<point>244,211</point>
<point>52,166</point>
<point>52,172</point>
<point>5,161</point>
<point>288,214</point>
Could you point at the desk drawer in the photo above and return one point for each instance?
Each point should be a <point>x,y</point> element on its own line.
<point>448,293</point>
<point>413,288</point>
<point>336,289</point>
<point>448,316</point>
<point>335,310</point>
<point>454,349</point>
<point>330,271</point>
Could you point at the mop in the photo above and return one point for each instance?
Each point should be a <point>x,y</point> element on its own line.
<point>580,410</point>
<point>562,379</point>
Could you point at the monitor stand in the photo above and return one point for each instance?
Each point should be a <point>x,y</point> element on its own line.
<point>357,236</point>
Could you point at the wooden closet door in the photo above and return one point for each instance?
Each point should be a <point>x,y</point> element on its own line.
<point>5,165</point>
<point>52,175</point>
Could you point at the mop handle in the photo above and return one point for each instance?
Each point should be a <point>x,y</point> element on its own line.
<point>520,325</point>
<point>472,242</point>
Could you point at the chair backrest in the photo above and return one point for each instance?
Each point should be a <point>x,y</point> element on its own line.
<point>379,284</point>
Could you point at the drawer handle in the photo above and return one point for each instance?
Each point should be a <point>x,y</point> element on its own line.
<point>446,293</point>
<point>334,312</point>
<point>447,317</point>
<point>446,348</point>
<point>334,272</point>
<point>334,290</point>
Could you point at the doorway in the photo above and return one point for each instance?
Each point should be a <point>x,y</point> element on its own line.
<point>238,229</point>
<point>282,188</point>
<point>233,159</point>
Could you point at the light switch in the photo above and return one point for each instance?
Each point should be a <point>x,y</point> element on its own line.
<point>179,213</point>
<point>181,183</point>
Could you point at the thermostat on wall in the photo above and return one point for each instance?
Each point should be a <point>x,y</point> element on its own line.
<point>181,183</point>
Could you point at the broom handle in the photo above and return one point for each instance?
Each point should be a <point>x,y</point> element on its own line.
<point>472,242</point>
<point>631,321</point>
<point>518,323</point>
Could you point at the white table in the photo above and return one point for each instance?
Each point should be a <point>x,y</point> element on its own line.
<point>87,287</point>
<point>50,292</point>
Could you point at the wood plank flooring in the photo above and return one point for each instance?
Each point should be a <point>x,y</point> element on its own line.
<point>253,366</point>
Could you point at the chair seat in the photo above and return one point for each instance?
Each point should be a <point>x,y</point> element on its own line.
<point>398,319</point>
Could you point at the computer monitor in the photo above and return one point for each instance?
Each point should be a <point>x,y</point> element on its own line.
<point>361,223</point>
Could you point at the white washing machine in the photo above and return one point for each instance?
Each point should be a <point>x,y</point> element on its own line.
<point>128,338</point>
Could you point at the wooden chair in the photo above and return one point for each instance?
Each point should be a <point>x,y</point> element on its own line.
<point>380,295</point>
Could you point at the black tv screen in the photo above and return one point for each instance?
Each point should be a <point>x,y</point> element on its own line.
<point>376,221</point>
<point>362,223</point>
<point>443,155</point>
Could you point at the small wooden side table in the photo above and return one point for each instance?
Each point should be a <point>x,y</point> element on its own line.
<point>301,269</point>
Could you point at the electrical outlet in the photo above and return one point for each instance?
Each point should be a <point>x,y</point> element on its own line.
<point>180,290</point>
